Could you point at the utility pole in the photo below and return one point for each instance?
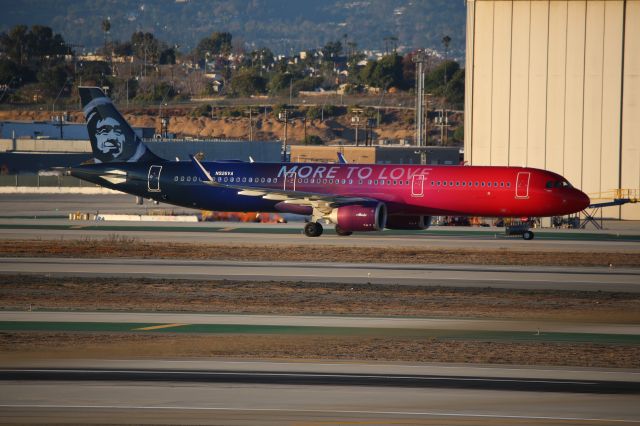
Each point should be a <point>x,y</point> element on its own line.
<point>284,116</point>
<point>355,120</point>
<point>250,112</point>
<point>419,58</point>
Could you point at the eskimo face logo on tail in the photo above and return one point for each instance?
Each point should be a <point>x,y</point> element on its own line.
<point>110,139</point>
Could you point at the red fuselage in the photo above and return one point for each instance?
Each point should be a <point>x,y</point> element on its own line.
<point>442,190</point>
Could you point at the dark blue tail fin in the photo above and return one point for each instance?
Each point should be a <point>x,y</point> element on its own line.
<point>112,139</point>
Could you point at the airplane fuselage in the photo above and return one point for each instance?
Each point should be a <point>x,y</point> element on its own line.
<point>405,189</point>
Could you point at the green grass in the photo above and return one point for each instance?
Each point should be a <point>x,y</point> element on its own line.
<point>332,331</point>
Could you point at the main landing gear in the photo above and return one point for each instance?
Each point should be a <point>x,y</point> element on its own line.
<point>313,229</point>
<point>341,232</point>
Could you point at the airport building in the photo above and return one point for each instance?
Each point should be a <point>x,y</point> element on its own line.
<point>29,147</point>
<point>556,85</point>
<point>382,154</point>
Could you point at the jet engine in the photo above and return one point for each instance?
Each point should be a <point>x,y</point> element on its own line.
<point>360,217</point>
<point>408,222</point>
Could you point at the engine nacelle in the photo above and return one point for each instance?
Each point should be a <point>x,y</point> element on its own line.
<point>360,217</point>
<point>408,222</point>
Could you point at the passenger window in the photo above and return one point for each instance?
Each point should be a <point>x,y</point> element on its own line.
<point>175,179</point>
<point>482,184</point>
<point>501,184</point>
<point>438,183</point>
<point>381,182</point>
<point>457,183</point>
<point>444,183</point>
<point>508,184</point>
<point>350,181</point>
<point>181,178</point>
<point>275,180</point>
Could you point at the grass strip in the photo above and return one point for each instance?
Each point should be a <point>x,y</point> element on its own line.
<point>325,331</point>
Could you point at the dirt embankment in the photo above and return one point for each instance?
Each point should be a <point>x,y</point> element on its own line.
<point>129,247</point>
<point>49,345</point>
<point>294,298</point>
<point>265,127</point>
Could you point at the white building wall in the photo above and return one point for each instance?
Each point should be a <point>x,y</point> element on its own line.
<point>555,84</point>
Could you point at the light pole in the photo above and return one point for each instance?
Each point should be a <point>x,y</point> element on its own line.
<point>284,116</point>
<point>419,58</point>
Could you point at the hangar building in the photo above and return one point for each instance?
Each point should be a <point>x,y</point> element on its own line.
<point>555,84</point>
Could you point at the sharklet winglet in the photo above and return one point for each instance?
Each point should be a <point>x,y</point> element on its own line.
<point>206,173</point>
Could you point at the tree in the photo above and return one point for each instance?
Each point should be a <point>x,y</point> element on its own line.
<point>24,46</point>
<point>248,82</point>
<point>385,73</point>
<point>458,134</point>
<point>145,46</point>
<point>15,75</point>
<point>279,81</point>
<point>332,49</point>
<point>167,56</point>
<point>435,79</point>
<point>53,79</point>
<point>216,44</point>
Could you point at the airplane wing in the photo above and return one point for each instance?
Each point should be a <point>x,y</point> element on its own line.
<point>323,202</point>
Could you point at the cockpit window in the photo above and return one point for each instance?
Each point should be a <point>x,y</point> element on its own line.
<point>558,184</point>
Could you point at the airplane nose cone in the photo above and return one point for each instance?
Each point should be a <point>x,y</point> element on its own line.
<point>582,200</point>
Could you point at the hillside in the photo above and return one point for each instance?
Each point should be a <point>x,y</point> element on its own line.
<point>284,26</point>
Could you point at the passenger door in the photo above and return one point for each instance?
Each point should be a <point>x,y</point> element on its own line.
<point>522,185</point>
<point>417,186</point>
<point>154,178</point>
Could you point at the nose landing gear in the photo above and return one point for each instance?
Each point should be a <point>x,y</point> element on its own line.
<point>520,229</point>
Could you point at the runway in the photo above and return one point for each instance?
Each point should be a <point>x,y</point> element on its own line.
<point>543,277</point>
<point>175,321</point>
<point>310,393</point>
<point>33,216</point>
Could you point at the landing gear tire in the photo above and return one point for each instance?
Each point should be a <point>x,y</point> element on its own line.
<point>527,235</point>
<point>313,229</point>
<point>341,232</point>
